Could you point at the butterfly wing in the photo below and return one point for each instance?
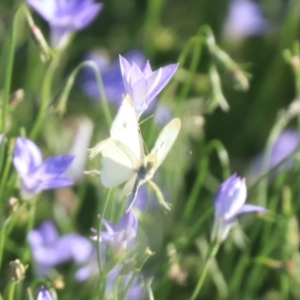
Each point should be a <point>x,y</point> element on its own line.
<point>163,144</point>
<point>125,128</point>
<point>118,163</point>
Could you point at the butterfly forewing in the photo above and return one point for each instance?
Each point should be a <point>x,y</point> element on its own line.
<point>118,163</point>
<point>125,128</point>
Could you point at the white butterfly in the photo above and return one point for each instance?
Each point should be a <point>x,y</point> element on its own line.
<point>123,158</point>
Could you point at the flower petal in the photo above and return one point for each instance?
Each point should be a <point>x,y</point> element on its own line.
<point>45,8</point>
<point>27,156</point>
<point>248,208</point>
<point>159,79</point>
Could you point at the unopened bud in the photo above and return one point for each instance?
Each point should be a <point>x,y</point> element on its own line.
<point>16,97</point>
<point>149,252</point>
<point>59,283</point>
<point>12,205</point>
<point>216,94</point>
<point>17,269</point>
<point>40,41</point>
<point>241,81</point>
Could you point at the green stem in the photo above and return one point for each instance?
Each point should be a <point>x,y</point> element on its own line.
<point>11,291</point>
<point>153,13</point>
<point>7,168</point>
<point>45,97</point>
<point>61,108</point>
<point>102,274</point>
<point>211,254</point>
<point>2,238</point>
<point>198,43</point>
<point>202,174</point>
<point>9,69</point>
<point>30,225</point>
<point>283,119</point>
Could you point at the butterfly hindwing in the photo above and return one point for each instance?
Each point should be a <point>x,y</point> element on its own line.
<point>164,143</point>
<point>118,163</point>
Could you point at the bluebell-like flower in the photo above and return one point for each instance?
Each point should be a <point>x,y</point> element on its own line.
<point>44,294</point>
<point>244,19</point>
<point>49,249</point>
<point>111,76</point>
<point>142,84</point>
<point>114,277</point>
<point>229,202</point>
<point>283,146</point>
<point>36,174</point>
<point>120,236</point>
<point>65,17</point>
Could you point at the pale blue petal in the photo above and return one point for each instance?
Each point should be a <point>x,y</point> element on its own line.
<point>45,8</point>
<point>44,294</point>
<point>59,36</point>
<point>147,71</point>
<point>56,182</point>
<point>55,165</point>
<point>87,15</point>
<point>159,79</point>
<point>230,197</point>
<point>249,208</point>
<point>27,156</point>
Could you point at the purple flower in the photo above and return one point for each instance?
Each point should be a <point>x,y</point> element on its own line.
<point>142,84</point>
<point>49,249</point>
<point>162,115</point>
<point>111,76</point>
<point>135,290</point>
<point>229,202</point>
<point>144,199</point>
<point>65,16</point>
<point>244,19</point>
<point>120,236</point>
<point>283,146</point>
<point>44,294</point>
<point>36,174</point>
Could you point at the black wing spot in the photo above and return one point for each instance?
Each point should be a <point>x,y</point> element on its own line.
<point>124,125</point>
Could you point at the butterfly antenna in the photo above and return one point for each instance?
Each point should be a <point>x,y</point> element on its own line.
<point>145,120</point>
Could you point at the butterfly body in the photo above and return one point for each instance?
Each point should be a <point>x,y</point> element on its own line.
<point>123,158</point>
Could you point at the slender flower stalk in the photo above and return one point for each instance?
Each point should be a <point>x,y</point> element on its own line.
<point>212,252</point>
<point>229,202</point>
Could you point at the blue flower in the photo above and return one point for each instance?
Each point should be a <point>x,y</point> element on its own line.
<point>49,249</point>
<point>36,174</point>
<point>244,19</point>
<point>282,147</point>
<point>142,84</point>
<point>229,202</point>
<point>120,236</point>
<point>65,17</point>
<point>44,294</point>
<point>114,277</point>
<point>110,74</point>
